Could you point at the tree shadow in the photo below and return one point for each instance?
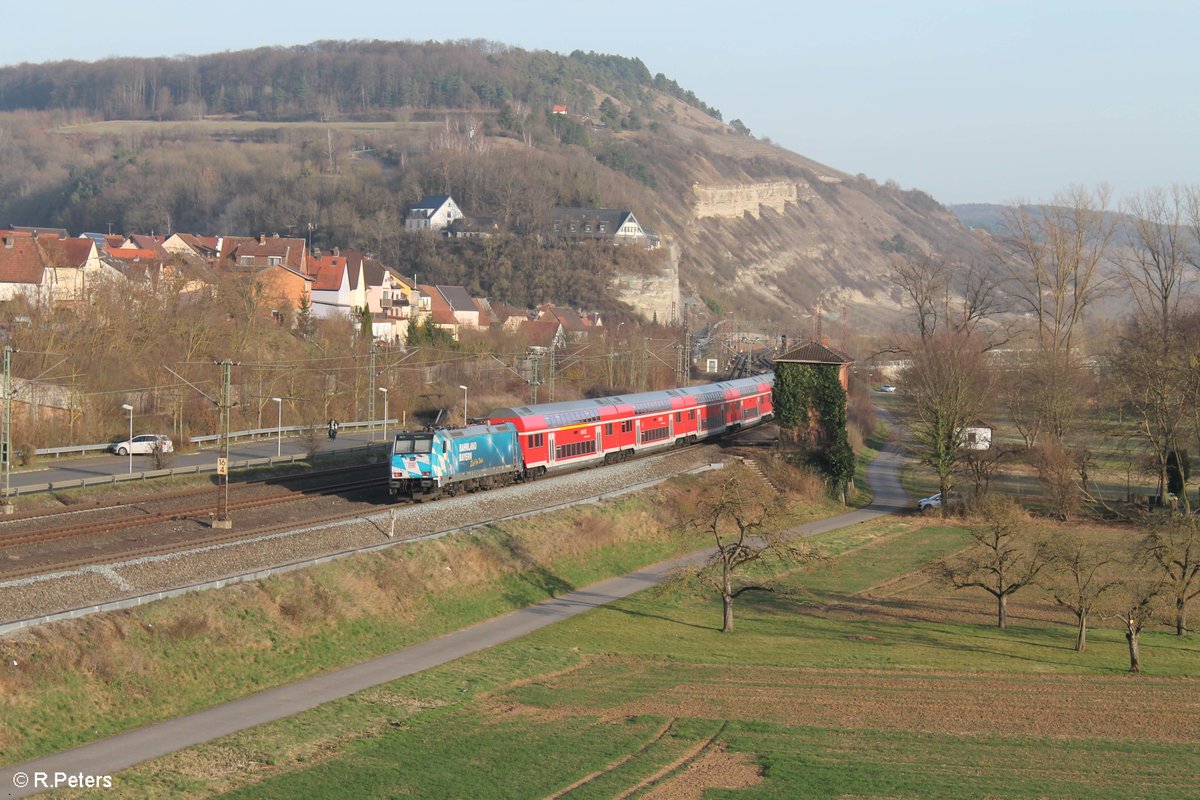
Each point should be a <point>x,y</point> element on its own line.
<point>530,571</point>
<point>661,617</point>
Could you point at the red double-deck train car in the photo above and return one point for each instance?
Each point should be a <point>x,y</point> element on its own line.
<point>609,429</point>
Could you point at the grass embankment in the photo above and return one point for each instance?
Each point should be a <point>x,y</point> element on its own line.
<point>85,679</point>
<point>879,684</point>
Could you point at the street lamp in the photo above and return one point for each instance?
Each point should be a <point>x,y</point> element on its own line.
<point>385,411</point>
<point>279,428</point>
<point>464,403</point>
<point>129,447</point>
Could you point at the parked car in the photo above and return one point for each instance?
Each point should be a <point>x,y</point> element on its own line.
<point>142,445</point>
<point>887,388</point>
<point>927,505</point>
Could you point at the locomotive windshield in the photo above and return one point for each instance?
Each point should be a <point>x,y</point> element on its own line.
<point>407,445</point>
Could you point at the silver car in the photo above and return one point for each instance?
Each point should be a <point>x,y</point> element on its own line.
<point>143,445</point>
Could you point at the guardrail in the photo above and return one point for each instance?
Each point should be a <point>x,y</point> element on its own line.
<point>252,433</point>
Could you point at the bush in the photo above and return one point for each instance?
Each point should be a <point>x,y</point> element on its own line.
<point>26,454</point>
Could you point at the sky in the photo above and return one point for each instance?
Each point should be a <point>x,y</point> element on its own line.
<point>971,101</point>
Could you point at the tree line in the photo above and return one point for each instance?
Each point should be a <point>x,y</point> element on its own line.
<point>330,79</point>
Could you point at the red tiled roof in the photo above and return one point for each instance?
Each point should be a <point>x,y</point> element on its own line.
<point>541,333</point>
<point>66,252</point>
<point>330,270</point>
<point>21,262</point>
<point>814,353</point>
<point>149,243</point>
<point>441,314</point>
<point>136,254</point>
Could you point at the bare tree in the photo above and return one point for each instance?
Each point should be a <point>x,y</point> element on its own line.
<point>1058,470</point>
<point>1172,546</point>
<point>1151,376</point>
<point>1157,267</point>
<point>1079,584</point>
<point>942,295</point>
<point>1135,602</point>
<point>1161,249</point>
<point>946,388</point>
<point>1054,254</point>
<point>983,465</point>
<point>737,519</point>
<point>1002,558</point>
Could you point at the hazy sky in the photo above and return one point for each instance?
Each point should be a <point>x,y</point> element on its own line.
<point>986,101</point>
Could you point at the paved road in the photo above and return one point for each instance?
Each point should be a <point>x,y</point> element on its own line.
<point>125,750</point>
<point>52,470</point>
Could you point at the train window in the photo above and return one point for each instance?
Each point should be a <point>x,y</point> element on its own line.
<point>627,426</point>
<point>692,414</point>
<point>679,416</point>
<point>608,429</point>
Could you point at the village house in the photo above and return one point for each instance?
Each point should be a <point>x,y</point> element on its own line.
<point>432,213</point>
<point>197,249</point>
<point>602,224</point>
<point>574,325</point>
<point>542,336</point>
<point>52,270</point>
<point>441,315</point>
<point>464,308</point>
<point>246,253</point>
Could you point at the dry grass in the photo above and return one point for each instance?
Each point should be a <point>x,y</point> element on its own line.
<point>187,652</point>
<point>966,704</point>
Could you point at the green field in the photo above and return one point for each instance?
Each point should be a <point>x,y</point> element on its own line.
<point>872,684</point>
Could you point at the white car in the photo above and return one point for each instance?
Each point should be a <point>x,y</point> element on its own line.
<point>887,388</point>
<point>143,445</point>
<point>927,505</point>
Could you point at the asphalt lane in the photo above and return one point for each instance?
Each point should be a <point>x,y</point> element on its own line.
<point>52,470</point>
<point>125,750</point>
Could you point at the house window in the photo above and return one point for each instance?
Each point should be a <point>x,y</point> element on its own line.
<point>602,226</point>
<point>572,227</point>
<point>246,261</point>
<point>274,261</point>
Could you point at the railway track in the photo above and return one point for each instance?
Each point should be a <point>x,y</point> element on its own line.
<point>153,517</point>
<point>122,534</point>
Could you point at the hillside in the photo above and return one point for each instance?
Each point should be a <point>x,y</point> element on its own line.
<point>339,137</point>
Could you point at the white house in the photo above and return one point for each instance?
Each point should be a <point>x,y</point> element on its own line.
<point>58,271</point>
<point>977,436</point>
<point>433,213</point>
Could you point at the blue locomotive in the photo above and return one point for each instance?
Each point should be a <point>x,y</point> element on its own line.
<point>450,461</point>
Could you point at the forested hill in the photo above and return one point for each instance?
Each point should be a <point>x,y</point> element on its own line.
<point>356,79</point>
<point>338,139</point>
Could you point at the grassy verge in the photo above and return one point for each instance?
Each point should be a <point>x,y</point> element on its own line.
<point>85,679</point>
<point>889,698</point>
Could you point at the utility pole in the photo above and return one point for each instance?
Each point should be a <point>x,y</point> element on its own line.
<point>550,376</point>
<point>6,425</point>
<point>371,393</point>
<point>533,378</point>
<point>645,363</point>
<point>226,406</point>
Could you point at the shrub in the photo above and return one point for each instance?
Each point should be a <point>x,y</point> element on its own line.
<point>26,454</point>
